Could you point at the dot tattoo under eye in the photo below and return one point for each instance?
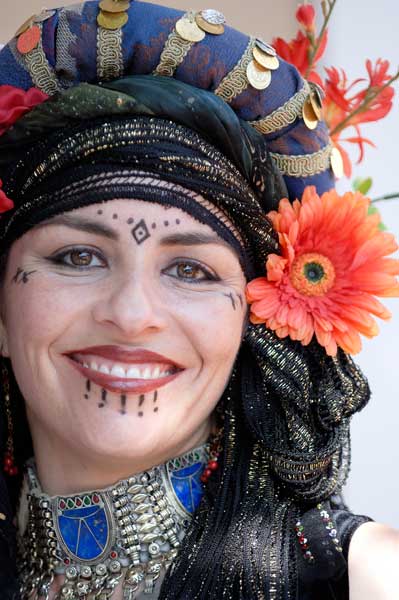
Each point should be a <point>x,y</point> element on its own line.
<point>166,223</point>
<point>177,221</point>
<point>154,226</point>
<point>114,216</point>
<point>130,221</point>
<point>22,276</point>
<point>99,212</point>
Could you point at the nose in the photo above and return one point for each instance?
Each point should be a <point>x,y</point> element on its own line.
<point>132,306</point>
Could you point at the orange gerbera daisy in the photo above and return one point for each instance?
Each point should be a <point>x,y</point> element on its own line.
<point>333,263</point>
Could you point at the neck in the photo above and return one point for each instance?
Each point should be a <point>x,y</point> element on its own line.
<point>62,469</point>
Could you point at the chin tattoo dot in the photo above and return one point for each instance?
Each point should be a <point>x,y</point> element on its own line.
<point>123,404</point>
<point>141,400</point>
<point>155,400</point>
<point>88,385</point>
<point>141,414</point>
<point>103,398</point>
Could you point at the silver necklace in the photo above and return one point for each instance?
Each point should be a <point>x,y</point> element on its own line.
<point>129,532</point>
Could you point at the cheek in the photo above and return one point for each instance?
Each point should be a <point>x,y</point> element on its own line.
<point>215,328</point>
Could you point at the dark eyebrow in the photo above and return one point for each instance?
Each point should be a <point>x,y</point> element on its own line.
<point>193,238</point>
<point>82,225</point>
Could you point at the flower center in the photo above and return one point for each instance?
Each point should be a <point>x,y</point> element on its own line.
<point>312,274</point>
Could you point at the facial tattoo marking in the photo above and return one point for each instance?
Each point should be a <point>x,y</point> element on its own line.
<point>166,223</point>
<point>177,221</point>
<point>241,300</point>
<point>130,221</point>
<point>141,402</point>
<point>103,399</point>
<point>155,399</point>
<point>140,233</point>
<point>233,302</point>
<point>123,404</point>
<point>114,216</point>
<point>22,276</point>
<point>100,212</point>
<point>154,226</point>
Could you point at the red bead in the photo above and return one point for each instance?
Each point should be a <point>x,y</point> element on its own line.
<point>78,502</point>
<point>8,461</point>
<point>301,539</point>
<point>213,465</point>
<point>203,478</point>
<point>13,471</point>
<point>95,499</point>
<point>207,473</point>
<point>114,554</point>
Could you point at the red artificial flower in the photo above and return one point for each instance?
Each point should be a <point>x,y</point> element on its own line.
<point>5,202</point>
<point>298,51</point>
<point>15,102</point>
<point>333,264</point>
<point>343,106</point>
<point>306,16</point>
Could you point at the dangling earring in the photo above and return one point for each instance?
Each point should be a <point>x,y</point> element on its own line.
<point>9,460</point>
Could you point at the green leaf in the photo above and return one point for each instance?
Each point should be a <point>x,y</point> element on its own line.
<point>372,211</point>
<point>362,184</point>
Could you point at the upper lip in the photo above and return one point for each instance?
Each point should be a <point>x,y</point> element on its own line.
<point>120,354</point>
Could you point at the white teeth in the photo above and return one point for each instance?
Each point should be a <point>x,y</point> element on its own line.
<point>138,372</point>
<point>147,373</point>
<point>133,373</point>
<point>118,371</point>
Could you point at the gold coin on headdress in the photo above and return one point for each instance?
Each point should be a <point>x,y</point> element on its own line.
<point>213,17</point>
<point>317,102</point>
<point>114,6</point>
<point>28,23</point>
<point>265,60</point>
<point>29,39</point>
<point>109,20</point>
<point>258,77</point>
<point>44,16</point>
<point>309,115</point>
<point>208,27</point>
<point>337,163</point>
<point>266,48</point>
<point>189,30</point>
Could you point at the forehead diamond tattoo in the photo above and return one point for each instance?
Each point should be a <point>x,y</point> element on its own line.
<point>140,232</point>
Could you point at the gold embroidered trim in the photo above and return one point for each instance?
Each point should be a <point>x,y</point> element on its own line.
<point>236,82</point>
<point>174,52</point>
<point>303,165</point>
<point>285,115</point>
<point>109,53</point>
<point>41,72</point>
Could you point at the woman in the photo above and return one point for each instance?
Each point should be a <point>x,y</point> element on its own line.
<point>168,429</point>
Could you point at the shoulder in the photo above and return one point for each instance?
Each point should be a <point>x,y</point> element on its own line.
<point>374,563</point>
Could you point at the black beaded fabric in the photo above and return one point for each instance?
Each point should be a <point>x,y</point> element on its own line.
<point>286,408</point>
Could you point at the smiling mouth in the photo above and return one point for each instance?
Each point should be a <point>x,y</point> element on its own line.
<point>124,377</point>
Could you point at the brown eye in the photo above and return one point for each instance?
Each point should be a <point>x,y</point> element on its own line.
<point>81,258</point>
<point>188,271</point>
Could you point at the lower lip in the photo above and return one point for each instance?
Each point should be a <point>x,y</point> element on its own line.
<point>125,386</point>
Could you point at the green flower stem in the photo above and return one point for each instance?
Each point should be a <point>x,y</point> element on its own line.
<point>316,47</point>
<point>387,197</point>
<point>370,96</point>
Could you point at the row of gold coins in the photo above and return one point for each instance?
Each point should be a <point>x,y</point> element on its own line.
<point>113,14</point>
<point>193,27</point>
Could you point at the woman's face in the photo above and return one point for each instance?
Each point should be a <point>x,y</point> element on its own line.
<point>122,321</point>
